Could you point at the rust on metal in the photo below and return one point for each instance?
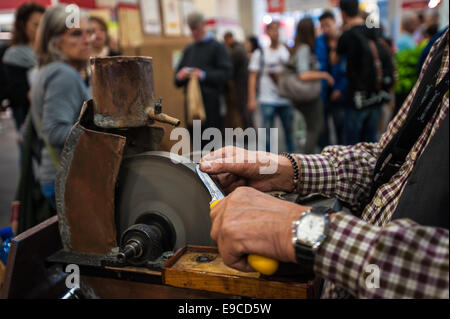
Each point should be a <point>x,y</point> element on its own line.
<point>89,192</point>
<point>86,181</point>
<point>123,93</point>
<point>122,89</point>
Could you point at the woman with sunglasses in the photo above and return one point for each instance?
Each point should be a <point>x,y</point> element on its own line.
<point>63,49</point>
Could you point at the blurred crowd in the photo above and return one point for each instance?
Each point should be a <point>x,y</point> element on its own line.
<point>364,76</point>
<point>338,78</point>
<point>45,78</point>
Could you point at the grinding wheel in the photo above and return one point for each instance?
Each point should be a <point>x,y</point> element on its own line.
<point>164,185</point>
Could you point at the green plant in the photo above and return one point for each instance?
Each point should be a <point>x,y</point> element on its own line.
<point>407,74</point>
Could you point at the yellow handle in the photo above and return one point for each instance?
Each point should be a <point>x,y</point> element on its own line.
<point>213,204</point>
<point>263,265</point>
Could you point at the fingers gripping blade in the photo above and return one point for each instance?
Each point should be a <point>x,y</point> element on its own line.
<point>216,193</point>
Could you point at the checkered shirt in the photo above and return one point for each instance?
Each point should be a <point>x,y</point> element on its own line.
<point>412,260</point>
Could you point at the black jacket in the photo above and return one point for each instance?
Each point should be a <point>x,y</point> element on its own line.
<point>211,57</point>
<point>17,86</point>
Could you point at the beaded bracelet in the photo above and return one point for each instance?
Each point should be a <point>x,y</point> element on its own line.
<point>294,165</point>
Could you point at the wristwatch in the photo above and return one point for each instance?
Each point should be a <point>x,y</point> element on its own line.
<point>309,232</point>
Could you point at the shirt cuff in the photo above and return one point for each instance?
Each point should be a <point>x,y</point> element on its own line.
<point>317,176</point>
<point>342,255</point>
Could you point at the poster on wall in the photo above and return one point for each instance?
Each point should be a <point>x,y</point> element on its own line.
<point>130,27</point>
<point>171,16</point>
<point>106,3</point>
<point>187,7</point>
<point>151,19</point>
<point>275,6</point>
<point>177,55</point>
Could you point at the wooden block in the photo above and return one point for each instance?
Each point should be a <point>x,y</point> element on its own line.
<point>26,273</point>
<point>202,268</point>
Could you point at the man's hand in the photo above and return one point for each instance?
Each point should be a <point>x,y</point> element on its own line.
<point>198,73</point>
<point>234,167</point>
<point>251,222</point>
<point>183,74</point>
<point>329,79</point>
<point>335,96</point>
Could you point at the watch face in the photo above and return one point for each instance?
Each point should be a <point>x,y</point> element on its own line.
<point>311,229</point>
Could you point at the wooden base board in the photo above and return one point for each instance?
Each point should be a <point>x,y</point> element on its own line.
<point>202,268</point>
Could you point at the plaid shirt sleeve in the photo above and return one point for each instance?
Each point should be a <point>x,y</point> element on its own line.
<point>412,260</point>
<point>344,172</point>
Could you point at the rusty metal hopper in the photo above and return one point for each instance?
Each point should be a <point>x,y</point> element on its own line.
<point>123,93</point>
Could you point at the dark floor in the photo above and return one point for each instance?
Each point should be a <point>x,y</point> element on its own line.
<point>9,166</point>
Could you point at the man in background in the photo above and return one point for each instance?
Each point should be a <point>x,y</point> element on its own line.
<point>265,67</point>
<point>207,59</point>
<point>333,97</point>
<point>370,75</point>
<point>410,23</point>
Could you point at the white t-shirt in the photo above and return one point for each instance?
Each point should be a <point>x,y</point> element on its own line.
<point>274,62</point>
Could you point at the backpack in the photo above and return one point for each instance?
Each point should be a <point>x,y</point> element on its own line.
<point>377,78</point>
<point>290,86</point>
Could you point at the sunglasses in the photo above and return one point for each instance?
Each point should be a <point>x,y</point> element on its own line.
<point>80,33</point>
